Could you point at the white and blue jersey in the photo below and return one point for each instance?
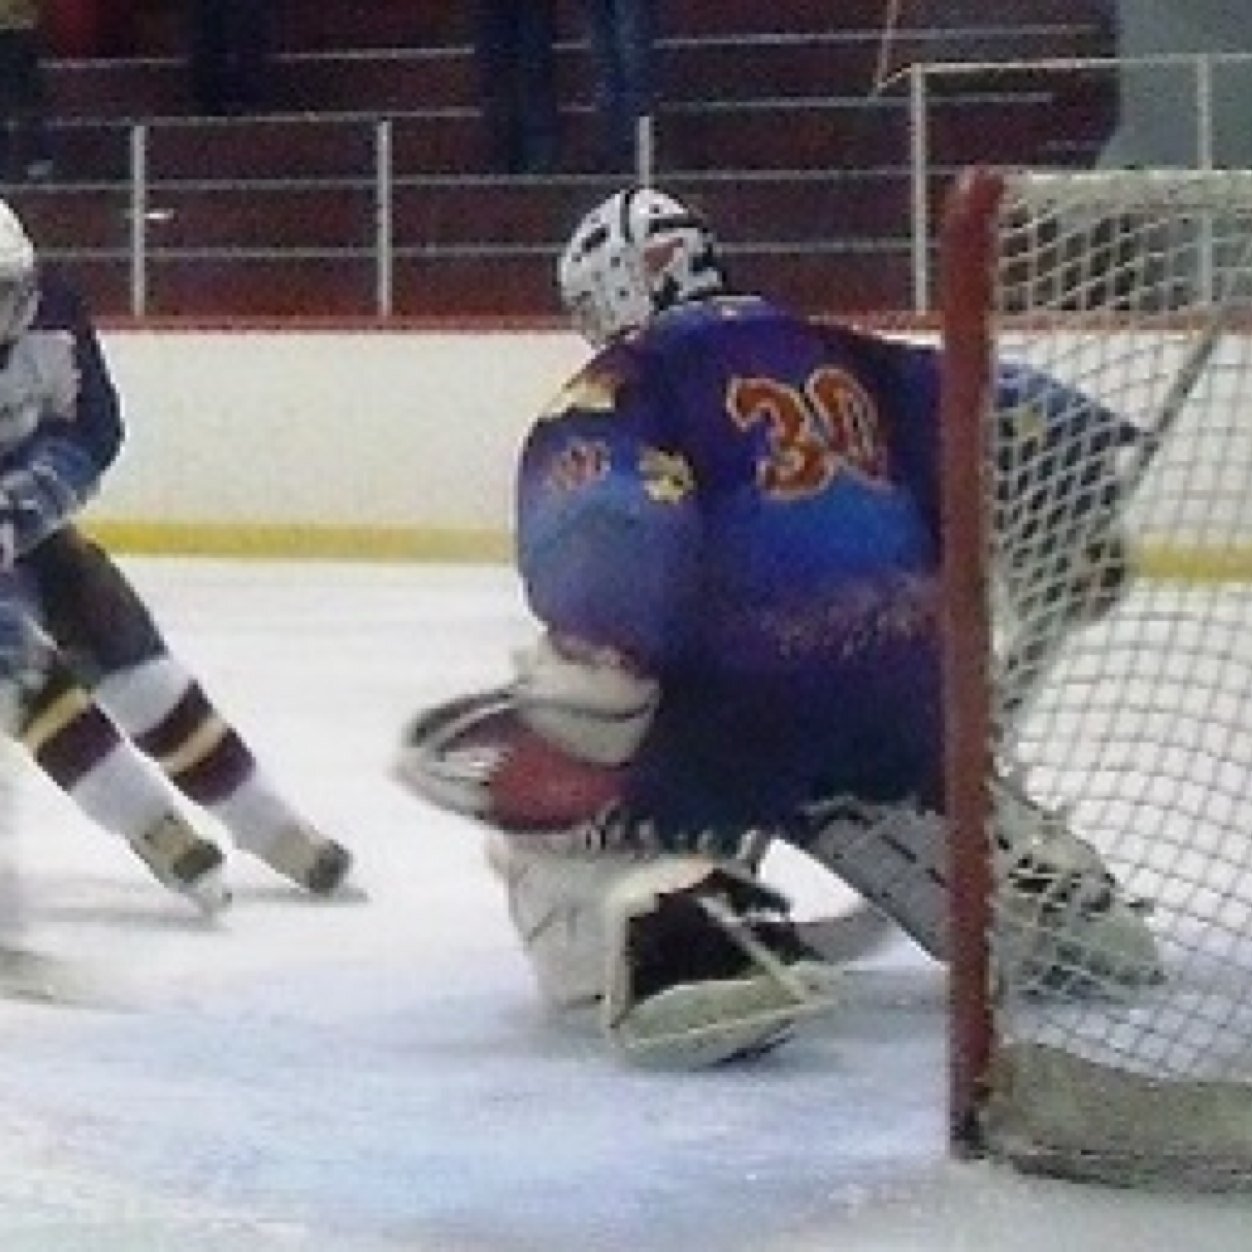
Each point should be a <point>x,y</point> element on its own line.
<point>60,419</point>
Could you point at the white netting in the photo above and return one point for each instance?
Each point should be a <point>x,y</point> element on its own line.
<point>1136,288</point>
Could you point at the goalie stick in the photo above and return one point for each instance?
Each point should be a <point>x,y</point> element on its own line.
<point>848,937</point>
<point>1027,664</point>
<point>1199,354</point>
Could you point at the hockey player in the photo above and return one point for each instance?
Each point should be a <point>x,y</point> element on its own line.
<point>727,524</point>
<point>108,687</point>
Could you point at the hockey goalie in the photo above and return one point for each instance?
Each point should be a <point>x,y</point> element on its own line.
<point>727,527</point>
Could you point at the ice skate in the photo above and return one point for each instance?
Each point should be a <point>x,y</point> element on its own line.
<point>317,864</point>
<point>184,862</point>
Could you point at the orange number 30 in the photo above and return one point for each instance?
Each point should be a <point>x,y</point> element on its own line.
<point>830,427</point>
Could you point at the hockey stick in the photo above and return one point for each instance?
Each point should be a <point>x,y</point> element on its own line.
<point>844,938</point>
<point>1180,391</point>
<point>1028,664</point>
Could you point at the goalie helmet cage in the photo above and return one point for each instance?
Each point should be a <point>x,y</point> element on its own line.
<point>1134,286</point>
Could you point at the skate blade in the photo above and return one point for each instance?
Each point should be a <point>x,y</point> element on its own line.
<point>209,893</point>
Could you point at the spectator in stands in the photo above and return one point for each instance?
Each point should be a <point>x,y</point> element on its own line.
<point>515,42</point>
<point>623,46</point>
<point>25,148</point>
<point>231,47</point>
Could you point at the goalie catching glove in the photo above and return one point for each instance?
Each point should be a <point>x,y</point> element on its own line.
<point>543,753</point>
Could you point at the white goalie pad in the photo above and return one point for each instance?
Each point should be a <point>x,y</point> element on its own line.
<point>733,991</point>
<point>703,1024</point>
<point>894,856</point>
<point>1063,922</point>
<point>581,919</point>
<point>557,907</point>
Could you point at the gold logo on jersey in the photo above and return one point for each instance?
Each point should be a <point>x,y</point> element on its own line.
<point>591,391</point>
<point>667,478</point>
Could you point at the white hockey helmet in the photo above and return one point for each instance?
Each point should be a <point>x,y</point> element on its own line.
<point>639,252</point>
<point>19,292</point>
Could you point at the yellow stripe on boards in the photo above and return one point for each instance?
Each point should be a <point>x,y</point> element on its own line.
<point>355,543</point>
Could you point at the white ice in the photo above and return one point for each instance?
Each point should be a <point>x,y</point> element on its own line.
<point>376,1074</point>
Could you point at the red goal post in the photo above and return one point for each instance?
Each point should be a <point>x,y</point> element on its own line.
<point>1135,287</point>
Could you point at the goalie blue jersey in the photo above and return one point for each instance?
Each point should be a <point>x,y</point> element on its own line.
<point>746,504</point>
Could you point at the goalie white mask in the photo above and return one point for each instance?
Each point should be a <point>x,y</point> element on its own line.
<point>638,253</point>
<point>19,291</point>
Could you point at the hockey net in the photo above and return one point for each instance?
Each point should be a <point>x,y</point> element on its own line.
<point>1137,288</point>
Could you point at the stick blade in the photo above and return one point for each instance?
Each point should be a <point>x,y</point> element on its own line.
<point>28,976</point>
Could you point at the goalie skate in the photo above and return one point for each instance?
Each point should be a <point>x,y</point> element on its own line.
<point>708,967</point>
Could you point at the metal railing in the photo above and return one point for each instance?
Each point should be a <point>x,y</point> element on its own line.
<point>136,201</point>
<point>1202,75</point>
<point>144,212</point>
<point>162,201</point>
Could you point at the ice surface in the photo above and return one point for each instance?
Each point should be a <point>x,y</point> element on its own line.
<point>376,1075</point>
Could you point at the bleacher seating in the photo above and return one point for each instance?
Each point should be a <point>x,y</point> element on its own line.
<point>770,120</point>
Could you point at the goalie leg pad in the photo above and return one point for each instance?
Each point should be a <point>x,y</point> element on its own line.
<point>893,855</point>
<point>704,966</point>
<point>557,906</point>
<point>1063,924</point>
